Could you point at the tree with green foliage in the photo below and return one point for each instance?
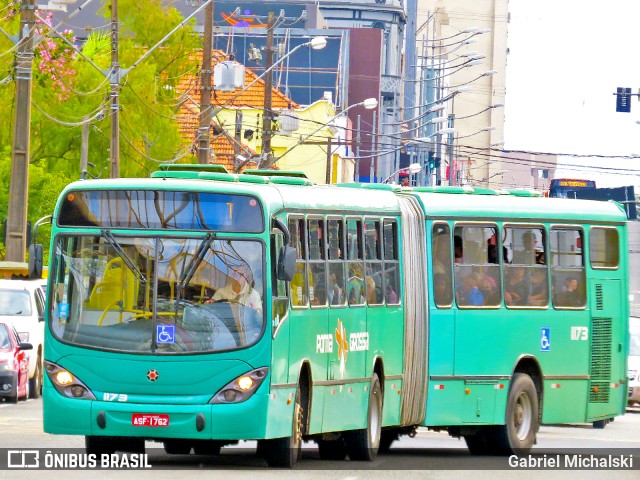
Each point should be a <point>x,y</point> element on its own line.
<point>71,86</point>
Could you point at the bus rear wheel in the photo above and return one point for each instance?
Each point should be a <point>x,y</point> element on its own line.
<point>334,449</point>
<point>518,434</point>
<point>477,443</point>
<point>364,444</point>
<point>284,452</point>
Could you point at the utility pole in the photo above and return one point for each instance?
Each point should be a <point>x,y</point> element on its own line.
<point>329,161</point>
<point>16,231</point>
<point>268,89</point>
<point>358,139</point>
<point>114,151</point>
<point>84,150</point>
<point>204,144</point>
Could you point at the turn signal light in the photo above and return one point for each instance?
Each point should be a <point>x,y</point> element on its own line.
<point>66,383</point>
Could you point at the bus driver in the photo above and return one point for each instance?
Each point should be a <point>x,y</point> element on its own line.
<point>238,290</point>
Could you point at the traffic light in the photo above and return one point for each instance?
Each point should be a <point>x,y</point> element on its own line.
<point>432,161</point>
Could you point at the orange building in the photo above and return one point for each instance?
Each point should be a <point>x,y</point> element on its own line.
<point>225,145</point>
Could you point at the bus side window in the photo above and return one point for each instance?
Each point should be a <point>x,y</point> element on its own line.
<point>317,266</point>
<point>567,268</point>
<point>526,277</point>
<point>441,265</point>
<point>280,297</point>
<point>337,292</point>
<point>604,248</point>
<point>391,264</point>
<point>299,295</point>
<point>373,263</point>
<point>477,275</point>
<point>355,283</point>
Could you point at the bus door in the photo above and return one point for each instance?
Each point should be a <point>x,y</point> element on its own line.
<point>608,330</point>
<point>607,351</point>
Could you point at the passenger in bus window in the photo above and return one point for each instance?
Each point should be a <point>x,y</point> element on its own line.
<point>515,287</point>
<point>470,294</point>
<point>526,256</point>
<point>489,288</point>
<point>372,294</point>
<point>441,289</point>
<point>571,294</point>
<point>538,288</point>
<point>335,291</point>
<point>457,248</point>
<point>392,296</point>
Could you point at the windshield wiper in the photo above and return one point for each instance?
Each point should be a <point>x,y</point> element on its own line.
<point>125,258</point>
<point>195,261</point>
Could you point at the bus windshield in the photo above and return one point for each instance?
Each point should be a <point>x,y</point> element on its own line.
<point>157,295</point>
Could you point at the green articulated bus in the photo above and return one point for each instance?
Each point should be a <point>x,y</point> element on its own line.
<point>198,308</point>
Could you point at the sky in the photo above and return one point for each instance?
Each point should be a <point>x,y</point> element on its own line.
<point>566,58</point>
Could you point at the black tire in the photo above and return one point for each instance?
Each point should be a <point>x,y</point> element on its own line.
<point>363,445</point>
<point>599,424</point>
<point>99,445</point>
<point>332,449</point>
<point>35,383</point>
<point>478,443</point>
<point>518,434</point>
<point>206,447</point>
<point>284,452</point>
<point>387,437</point>
<point>177,447</point>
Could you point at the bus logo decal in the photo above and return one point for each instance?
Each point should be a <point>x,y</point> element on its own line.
<point>359,341</point>
<point>343,345</point>
<point>165,334</point>
<point>324,343</point>
<point>579,333</point>
<point>152,375</point>
<point>545,339</point>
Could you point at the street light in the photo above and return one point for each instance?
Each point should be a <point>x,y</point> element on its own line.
<point>411,170</point>
<point>316,43</point>
<point>486,129</point>
<point>368,104</point>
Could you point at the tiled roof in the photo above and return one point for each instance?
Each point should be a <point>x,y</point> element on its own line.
<point>221,142</point>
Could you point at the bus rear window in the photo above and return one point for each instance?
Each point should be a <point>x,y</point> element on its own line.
<point>157,209</point>
<point>604,249</point>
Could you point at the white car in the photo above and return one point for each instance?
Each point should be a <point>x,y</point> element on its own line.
<point>22,304</point>
<point>634,361</point>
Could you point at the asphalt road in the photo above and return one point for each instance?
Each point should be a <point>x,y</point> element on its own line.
<point>428,455</point>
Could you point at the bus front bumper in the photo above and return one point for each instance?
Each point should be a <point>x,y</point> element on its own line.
<point>260,416</point>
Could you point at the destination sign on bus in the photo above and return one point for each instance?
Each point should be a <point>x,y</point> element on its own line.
<point>572,183</point>
<point>167,210</point>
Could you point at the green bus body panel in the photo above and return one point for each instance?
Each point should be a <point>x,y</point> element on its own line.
<point>521,209</point>
<point>469,368</point>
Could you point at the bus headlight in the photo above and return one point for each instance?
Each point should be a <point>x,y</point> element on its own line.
<point>241,388</point>
<point>66,383</point>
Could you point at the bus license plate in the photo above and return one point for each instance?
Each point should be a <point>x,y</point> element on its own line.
<point>150,420</point>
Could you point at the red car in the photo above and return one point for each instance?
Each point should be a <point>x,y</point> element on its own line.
<point>14,364</point>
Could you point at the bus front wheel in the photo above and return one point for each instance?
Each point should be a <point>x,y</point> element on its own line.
<point>364,444</point>
<point>284,452</point>
<point>518,434</point>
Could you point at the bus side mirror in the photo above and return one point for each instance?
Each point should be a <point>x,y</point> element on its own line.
<point>35,260</point>
<point>286,263</point>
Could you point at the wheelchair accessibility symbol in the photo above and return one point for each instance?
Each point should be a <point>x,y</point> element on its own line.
<point>545,339</point>
<point>165,334</point>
